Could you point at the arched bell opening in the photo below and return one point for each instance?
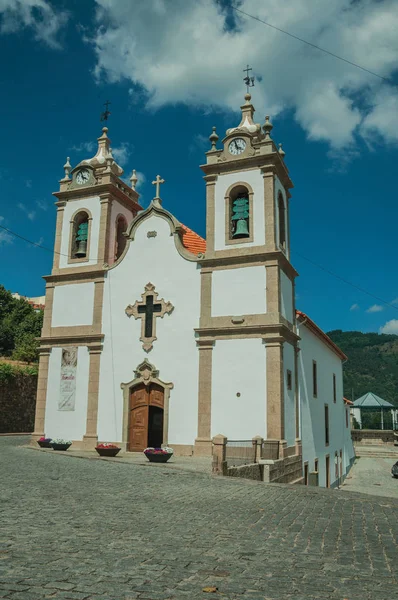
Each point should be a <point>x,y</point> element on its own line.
<point>80,236</point>
<point>239,214</point>
<point>120,238</point>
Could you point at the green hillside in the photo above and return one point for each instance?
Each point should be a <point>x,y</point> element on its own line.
<point>372,364</point>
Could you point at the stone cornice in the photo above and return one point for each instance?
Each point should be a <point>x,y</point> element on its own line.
<point>70,275</point>
<point>97,190</point>
<point>251,255</point>
<point>92,341</point>
<point>267,163</point>
<point>270,333</point>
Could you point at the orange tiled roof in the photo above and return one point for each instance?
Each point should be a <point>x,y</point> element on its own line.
<point>321,334</point>
<point>347,401</point>
<point>192,241</point>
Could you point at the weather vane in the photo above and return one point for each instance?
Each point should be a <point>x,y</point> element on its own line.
<point>249,81</point>
<point>106,113</point>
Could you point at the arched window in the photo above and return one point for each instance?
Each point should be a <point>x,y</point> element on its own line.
<point>238,214</point>
<point>282,222</point>
<point>80,225</point>
<point>120,239</point>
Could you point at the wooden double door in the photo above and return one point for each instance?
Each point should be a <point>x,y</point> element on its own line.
<point>146,417</point>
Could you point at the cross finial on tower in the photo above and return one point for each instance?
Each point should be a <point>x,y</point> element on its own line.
<point>158,181</point>
<point>249,81</point>
<point>107,112</point>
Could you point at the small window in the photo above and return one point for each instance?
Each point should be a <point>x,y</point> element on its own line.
<point>289,380</point>
<point>306,473</point>
<point>120,239</point>
<point>282,222</point>
<point>336,465</point>
<point>326,425</point>
<point>314,379</point>
<point>79,236</point>
<point>346,417</point>
<point>334,388</point>
<point>316,465</point>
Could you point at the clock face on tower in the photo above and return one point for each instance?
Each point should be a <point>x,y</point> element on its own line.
<point>82,176</point>
<point>237,146</point>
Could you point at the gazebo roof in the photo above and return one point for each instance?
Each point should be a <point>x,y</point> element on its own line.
<point>370,400</point>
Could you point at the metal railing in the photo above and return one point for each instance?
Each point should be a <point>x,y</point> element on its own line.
<point>270,450</point>
<point>240,452</point>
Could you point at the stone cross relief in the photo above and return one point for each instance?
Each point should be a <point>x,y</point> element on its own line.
<point>147,310</point>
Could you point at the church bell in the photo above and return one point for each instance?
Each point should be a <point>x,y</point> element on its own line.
<point>81,249</point>
<point>241,230</point>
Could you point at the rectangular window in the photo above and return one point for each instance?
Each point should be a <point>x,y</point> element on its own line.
<point>336,465</point>
<point>334,388</point>
<point>316,465</point>
<point>326,425</point>
<point>314,379</point>
<point>346,417</point>
<point>289,380</point>
<point>306,473</point>
<point>327,460</point>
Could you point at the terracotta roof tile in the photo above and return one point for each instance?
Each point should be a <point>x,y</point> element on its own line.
<point>192,241</point>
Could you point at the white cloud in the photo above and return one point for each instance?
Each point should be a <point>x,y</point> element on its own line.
<point>41,205</point>
<point>375,308</point>
<point>30,214</point>
<point>395,301</point>
<point>87,147</point>
<point>190,54</point>
<point>390,327</point>
<point>28,183</point>
<point>5,237</point>
<point>121,153</point>
<point>38,15</point>
<point>354,307</point>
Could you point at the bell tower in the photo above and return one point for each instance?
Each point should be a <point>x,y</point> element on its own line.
<point>247,324</point>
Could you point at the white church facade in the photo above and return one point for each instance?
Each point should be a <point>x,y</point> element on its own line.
<point>154,336</point>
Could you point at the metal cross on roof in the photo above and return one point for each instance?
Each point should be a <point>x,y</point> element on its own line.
<point>249,81</point>
<point>107,112</point>
<point>158,181</point>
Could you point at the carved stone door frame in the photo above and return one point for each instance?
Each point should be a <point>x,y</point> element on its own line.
<point>146,374</point>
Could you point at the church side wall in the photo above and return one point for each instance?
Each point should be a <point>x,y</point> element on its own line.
<point>290,418</point>
<point>70,425</point>
<point>73,305</point>
<point>240,291</point>
<point>286,297</point>
<point>94,206</point>
<point>255,180</point>
<point>313,408</point>
<point>239,367</point>
<point>174,353</point>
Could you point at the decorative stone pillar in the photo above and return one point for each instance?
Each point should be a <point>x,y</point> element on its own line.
<point>210,211</point>
<point>219,464</point>
<point>103,250</point>
<point>41,394</point>
<point>203,441</point>
<point>58,233</point>
<point>90,439</point>
<point>257,443</point>
<point>269,210</point>
<point>275,393</point>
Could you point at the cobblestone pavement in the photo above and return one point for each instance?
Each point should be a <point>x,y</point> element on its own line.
<point>78,529</point>
<point>372,476</point>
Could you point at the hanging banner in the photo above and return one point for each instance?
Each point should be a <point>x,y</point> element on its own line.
<point>68,379</point>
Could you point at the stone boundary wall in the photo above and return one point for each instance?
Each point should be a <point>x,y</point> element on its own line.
<point>285,470</point>
<point>377,437</point>
<point>18,403</point>
<point>254,471</point>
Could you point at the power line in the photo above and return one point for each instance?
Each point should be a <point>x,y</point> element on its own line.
<point>346,281</point>
<point>298,254</point>
<point>296,37</point>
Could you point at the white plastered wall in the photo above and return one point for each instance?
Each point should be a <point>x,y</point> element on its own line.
<point>255,180</point>
<point>93,205</point>
<point>290,414</point>
<point>313,409</point>
<point>73,305</point>
<point>286,297</point>
<point>240,291</point>
<point>239,367</point>
<point>117,209</point>
<point>174,353</point>
<point>70,425</point>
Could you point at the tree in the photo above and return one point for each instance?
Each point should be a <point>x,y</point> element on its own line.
<point>20,324</point>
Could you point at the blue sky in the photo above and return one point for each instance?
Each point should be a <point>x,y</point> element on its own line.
<point>171,74</point>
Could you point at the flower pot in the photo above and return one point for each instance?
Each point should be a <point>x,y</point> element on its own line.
<point>108,451</point>
<point>44,444</point>
<point>158,458</point>
<point>60,446</point>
